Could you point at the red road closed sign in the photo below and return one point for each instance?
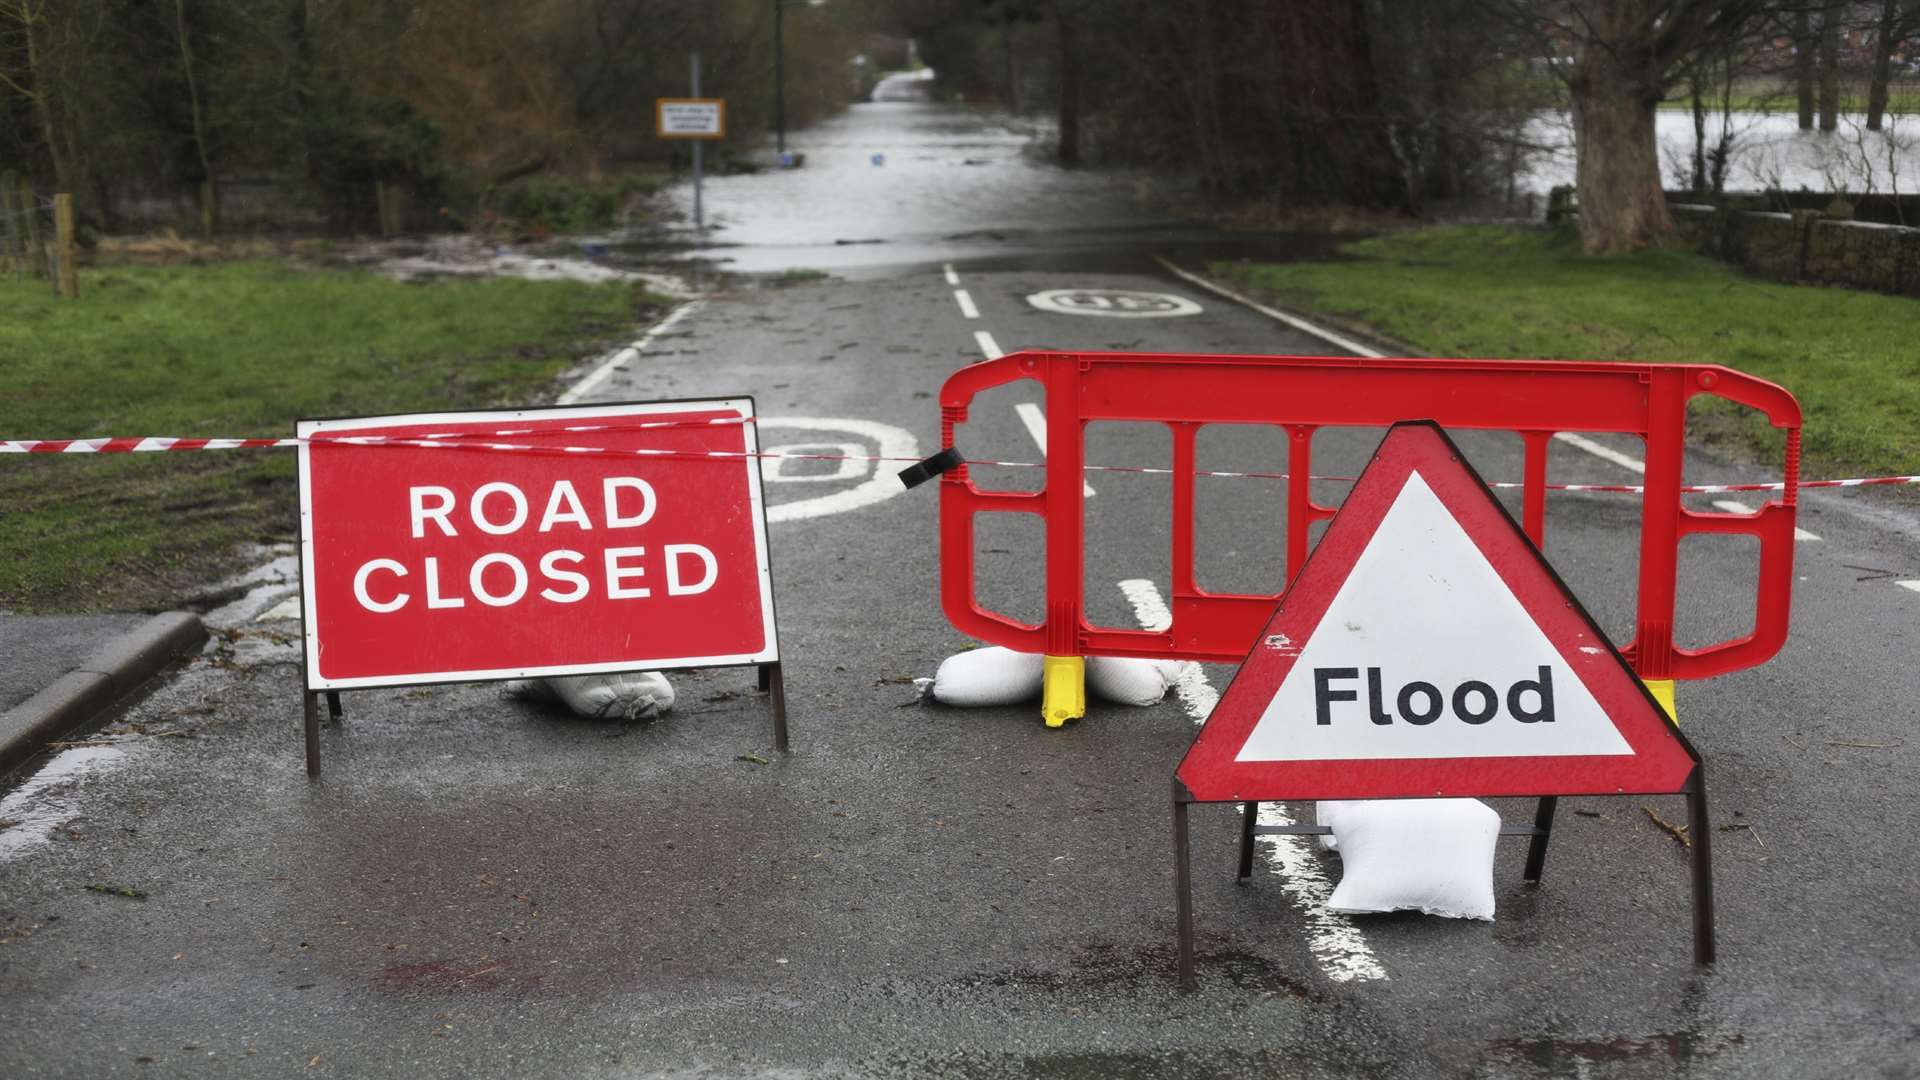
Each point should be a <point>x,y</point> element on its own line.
<point>494,545</point>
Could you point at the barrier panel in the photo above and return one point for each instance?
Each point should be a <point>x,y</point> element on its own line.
<point>1304,396</point>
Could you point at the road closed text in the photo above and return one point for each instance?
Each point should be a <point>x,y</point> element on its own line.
<point>563,513</point>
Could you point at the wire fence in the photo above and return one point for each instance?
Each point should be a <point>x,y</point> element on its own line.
<point>27,232</point>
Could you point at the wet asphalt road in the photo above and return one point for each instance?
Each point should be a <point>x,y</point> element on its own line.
<point>481,888</point>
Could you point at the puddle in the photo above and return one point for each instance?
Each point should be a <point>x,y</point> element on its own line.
<point>43,801</point>
<point>247,595</point>
<point>1665,1054</point>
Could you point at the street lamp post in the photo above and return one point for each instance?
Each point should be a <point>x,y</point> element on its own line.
<point>780,68</point>
<point>779,77</point>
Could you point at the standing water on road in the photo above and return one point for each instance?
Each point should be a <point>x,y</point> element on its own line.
<point>889,183</point>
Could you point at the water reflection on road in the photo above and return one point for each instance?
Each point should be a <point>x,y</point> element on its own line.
<point>891,183</point>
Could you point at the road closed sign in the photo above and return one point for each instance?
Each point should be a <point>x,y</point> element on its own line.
<point>1426,649</point>
<point>492,545</point>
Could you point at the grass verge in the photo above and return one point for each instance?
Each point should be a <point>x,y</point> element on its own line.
<point>1501,292</point>
<point>237,349</point>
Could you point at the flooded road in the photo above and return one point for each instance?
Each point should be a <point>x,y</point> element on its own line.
<point>891,184</point>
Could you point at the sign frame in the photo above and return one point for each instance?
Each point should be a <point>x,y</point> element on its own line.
<point>1692,785</point>
<point>766,661</point>
<point>661,130</point>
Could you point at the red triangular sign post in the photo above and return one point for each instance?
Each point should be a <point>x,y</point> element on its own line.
<point>1427,649</point>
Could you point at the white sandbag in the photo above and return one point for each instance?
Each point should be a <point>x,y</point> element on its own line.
<point>991,676</point>
<point>635,695</point>
<point>1428,855</point>
<point>1125,680</point>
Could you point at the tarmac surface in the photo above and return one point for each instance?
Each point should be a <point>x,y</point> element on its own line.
<point>477,886</point>
<point>41,648</point>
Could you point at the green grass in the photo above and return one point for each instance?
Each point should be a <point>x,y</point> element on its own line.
<point>236,349</point>
<point>1499,292</point>
<point>1779,96</point>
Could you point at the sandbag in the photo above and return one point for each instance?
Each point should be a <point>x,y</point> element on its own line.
<point>625,695</point>
<point>1127,681</point>
<point>1429,855</point>
<point>994,675</point>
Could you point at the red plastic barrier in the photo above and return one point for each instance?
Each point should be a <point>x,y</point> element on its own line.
<point>1304,395</point>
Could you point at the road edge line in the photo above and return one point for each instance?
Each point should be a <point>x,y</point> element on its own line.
<point>604,369</point>
<point>1321,332</point>
<point>1294,321</point>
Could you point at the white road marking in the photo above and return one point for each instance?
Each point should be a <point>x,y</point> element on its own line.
<point>618,357</point>
<point>1336,943</point>
<point>1114,303</point>
<point>988,347</point>
<point>1631,464</point>
<point>965,301</point>
<point>1358,349</point>
<point>952,278</point>
<point>1914,585</point>
<point>1036,422</point>
<point>882,485</point>
<point>1196,694</point>
<point>1294,321</point>
<point>1733,506</point>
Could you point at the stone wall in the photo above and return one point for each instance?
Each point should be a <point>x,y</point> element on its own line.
<point>1806,245</point>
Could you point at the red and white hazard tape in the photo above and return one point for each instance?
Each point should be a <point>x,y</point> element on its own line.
<point>470,440</point>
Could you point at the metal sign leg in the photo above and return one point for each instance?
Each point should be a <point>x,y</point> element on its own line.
<point>772,678</point>
<point>1543,831</point>
<point>1700,831</point>
<point>310,705</point>
<point>1249,816</point>
<point>333,705</point>
<point>1183,893</point>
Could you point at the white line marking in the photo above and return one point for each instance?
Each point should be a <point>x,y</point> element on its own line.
<point>988,347</point>
<point>1631,464</point>
<point>878,488</point>
<point>952,278</point>
<point>621,356</point>
<point>1914,585</point>
<point>1358,349</point>
<point>1294,321</point>
<point>1336,943</point>
<point>1196,694</point>
<point>966,304</point>
<point>1036,422</point>
<point>1733,506</point>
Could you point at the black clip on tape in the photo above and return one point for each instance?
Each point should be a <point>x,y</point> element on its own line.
<point>915,475</point>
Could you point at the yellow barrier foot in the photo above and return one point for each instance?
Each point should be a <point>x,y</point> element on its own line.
<point>1063,689</point>
<point>1662,691</point>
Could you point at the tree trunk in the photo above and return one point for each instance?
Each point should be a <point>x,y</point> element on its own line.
<point>1830,69</point>
<point>42,100</point>
<point>1803,67</point>
<point>1617,162</point>
<point>210,189</point>
<point>1882,64</point>
<point>1698,85</point>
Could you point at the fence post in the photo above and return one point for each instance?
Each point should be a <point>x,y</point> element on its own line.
<point>381,197</point>
<point>63,243</point>
<point>11,256</point>
<point>35,255</point>
<point>209,211</point>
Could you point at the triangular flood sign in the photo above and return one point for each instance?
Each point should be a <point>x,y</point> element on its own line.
<point>1427,649</point>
